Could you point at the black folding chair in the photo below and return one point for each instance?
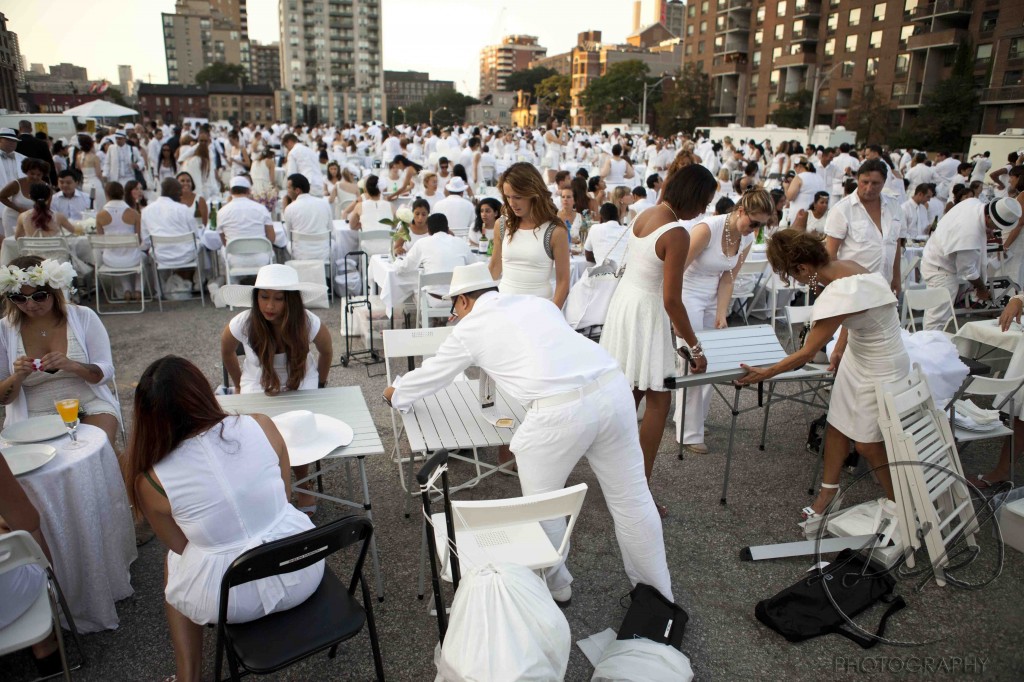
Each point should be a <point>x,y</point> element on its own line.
<point>330,616</point>
<point>437,466</point>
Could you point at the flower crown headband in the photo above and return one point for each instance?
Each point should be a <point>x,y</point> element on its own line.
<point>50,273</point>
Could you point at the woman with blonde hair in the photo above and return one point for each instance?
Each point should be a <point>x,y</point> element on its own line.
<point>200,167</point>
<point>532,240</point>
<point>429,193</point>
<point>718,248</point>
<point>622,197</point>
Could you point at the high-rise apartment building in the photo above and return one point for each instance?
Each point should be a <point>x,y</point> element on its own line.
<point>497,62</point>
<point>403,88</point>
<point>10,71</point>
<point>331,60</point>
<point>672,13</point>
<point>759,51</point>
<point>266,64</point>
<point>202,32</point>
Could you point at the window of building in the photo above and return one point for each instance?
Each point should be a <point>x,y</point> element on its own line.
<point>879,13</point>
<point>720,22</point>
<point>1013,78</point>
<point>703,27</point>
<point>830,47</point>
<point>1006,114</point>
<point>872,67</point>
<point>905,34</point>
<point>755,58</point>
<point>1016,48</point>
<point>689,49</point>
<point>875,40</point>
<point>909,7</point>
<point>758,37</point>
<point>700,47</point>
<point>776,53</point>
<point>689,29</point>
<point>854,19</point>
<point>796,48</point>
<point>773,81</point>
<point>780,9</point>
<point>902,63</point>
<point>988,21</point>
<point>851,44</point>
<point>899,89</point>
<point>754,80</point>
<point>847,70</point>
<point>760,14</point>
<point>779,28</point>
<point>691,11</point>
<point>984,52</point>
<point>832,23</point>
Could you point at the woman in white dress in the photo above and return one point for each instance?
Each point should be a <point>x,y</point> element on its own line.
<point>532,241</point>
<point>262,173</point>
<point>429,193</point>
<point>718,248</point>
<point>870,349</point>
<point>568,214</point>
<point>487,211</point>
<point>213,486</point>
<point>118,218</point>
<point>276,333</point>
<point>92,171</point>
<point>367,213</point>
<point>15,196</point>
<point>408,172</point>
<point>200,166</point>
<point>417,228</point>
<point>197,205</point>
<point>554,142</point>
<point>238,156</point>
<point>646,312</point>
<point>67,341</point>
<point>616,170</point>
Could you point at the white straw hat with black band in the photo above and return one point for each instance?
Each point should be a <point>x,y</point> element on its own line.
<point>274,277</point>
<point>1005,212</point>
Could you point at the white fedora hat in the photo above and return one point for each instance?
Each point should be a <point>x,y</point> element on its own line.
<point>456,184</point>
<point>466,278</point>
<point>277,277</point>
<point>310,436</point>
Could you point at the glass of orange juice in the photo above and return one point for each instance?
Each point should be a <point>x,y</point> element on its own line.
<point>68,411</point>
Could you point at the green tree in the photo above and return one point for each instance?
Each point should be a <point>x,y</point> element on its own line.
<point>871,116</point>
<point>219,72</point>
<point>685,103</point>
<point>528,79</point>
<point>794,110</point>
<point>454,107</point>
<point>616,94</point>
<point>950,108</point>
<point>553,98</point>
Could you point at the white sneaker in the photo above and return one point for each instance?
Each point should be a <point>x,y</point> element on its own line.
<point>562,597</point>
<point>696,448</point>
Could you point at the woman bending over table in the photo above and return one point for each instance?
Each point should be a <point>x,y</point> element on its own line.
<point>275,335</point>
<point>213,486</point>
<point>870,349</point>
<point>51,349</point>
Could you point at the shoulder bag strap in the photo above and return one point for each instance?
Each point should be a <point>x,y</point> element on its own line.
<point>865,641</point>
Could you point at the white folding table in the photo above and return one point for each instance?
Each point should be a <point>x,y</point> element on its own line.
<point>345,403</point>
<point>725,349</point>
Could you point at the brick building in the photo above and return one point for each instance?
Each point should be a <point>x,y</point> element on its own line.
<point>173,102</point>
<point>402,88</point>
<point>498,62</point>
<point>10,67</point>
<point>238,103</point>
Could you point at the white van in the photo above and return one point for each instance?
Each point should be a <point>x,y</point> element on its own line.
<point>56,126</point>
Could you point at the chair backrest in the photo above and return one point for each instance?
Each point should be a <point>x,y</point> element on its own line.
<point>488,514</point>
<point>249,245</point>
<point>375,241</point>
<point>168,239</point>
<point>800,314</point>
<point>18,548</point>
<point>927,299</point>
<point>1004,388</point>
<point>756,267</point>
<point>45,247</point>
<point>308,237</point>
<point>99,242</point>
<point>406,343</point>
<point>433,279</point>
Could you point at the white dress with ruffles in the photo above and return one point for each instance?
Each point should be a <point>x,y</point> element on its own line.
<point>227,496</point>
<point>874,351</point>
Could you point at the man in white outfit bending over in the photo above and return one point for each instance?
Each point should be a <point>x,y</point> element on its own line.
<point>578,403</point>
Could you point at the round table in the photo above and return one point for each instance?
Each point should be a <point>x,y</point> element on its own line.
<point>87,523</point>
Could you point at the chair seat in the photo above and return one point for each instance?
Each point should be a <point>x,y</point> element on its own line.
<point>525,544</point>
<point>329,616</point>
<point>31,627</point>
<point>111,270</point>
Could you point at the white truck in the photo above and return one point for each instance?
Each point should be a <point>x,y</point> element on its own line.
<point>822,135</point>
<point>998,146</point>
<point>56,126</point>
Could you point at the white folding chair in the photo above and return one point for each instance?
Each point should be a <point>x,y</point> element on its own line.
<point>796,315</point>
<point>326,241</point>
<point>19,549</point>
<point>1004,392</point>
<point>56,248</point>
<point>246,246</point>
<point>373,242</point>
<point>103,242</point>
<point>743,299</point>
<point>928,299</point>
<point>907,268</point>
<point>426,312</point>
<point>159,242</point>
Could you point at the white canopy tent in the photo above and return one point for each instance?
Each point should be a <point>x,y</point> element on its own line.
<point>99,108</point>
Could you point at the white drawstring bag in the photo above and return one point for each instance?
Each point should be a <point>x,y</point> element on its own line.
<point>641,660</point>
<point>589,299</point>
<point>504,626</point>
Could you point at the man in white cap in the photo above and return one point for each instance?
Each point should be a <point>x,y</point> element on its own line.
<point>10,160</point>
<point>956,250</point>
<point>122,160</point>
<point>578,404</point>
<point>458,209</point>
<point>243,217</point>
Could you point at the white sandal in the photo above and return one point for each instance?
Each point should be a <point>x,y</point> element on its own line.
<point>812,519</point>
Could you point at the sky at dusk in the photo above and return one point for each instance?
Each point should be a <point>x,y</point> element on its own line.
<point>442,37</point>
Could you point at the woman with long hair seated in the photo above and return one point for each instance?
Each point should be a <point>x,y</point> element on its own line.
<point>275,335</point>
<point>39,220</point>
<point>870,349</point>
<point>119,218</point>
<point>212,486</point>
<point>51,349</point>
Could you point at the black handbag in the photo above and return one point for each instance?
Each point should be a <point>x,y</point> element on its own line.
<point>652,616</point>
<point>805,610</point>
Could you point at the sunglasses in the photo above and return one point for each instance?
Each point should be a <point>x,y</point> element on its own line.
<point>754,224</point>
<point>38,297</point>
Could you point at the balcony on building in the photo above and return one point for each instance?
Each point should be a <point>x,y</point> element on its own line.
<point>910,100</point>
<point>1011,94</point>
<point>946,39</point>
<point>734,23</point>
<point>793,60</point>
<point>804,9</point>
<point>731,44</point>
<point>729,65</point>
<point>945,9</point>
<point>808,34</point>
<point>741,6</point>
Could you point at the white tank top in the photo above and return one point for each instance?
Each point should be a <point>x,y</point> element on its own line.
<point>117,225</point>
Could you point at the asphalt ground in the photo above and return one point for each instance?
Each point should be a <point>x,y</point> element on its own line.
<point>969,633</point>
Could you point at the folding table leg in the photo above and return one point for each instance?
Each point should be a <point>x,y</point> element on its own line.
<point>423,562</point>
<point>373,539</point>
<point>732,435</point>
<point>767,407</point>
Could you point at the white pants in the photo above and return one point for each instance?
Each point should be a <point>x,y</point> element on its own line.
<point>936,318</point>
<point>601,426</point>
<point>702,311</point>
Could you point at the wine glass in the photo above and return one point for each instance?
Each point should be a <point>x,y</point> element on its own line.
<point>68,411</point>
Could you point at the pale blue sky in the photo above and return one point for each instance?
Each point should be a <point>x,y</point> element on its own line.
<point>443,37</point>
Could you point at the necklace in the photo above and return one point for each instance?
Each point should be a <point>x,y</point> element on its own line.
<point>728,246</point>
<point>671,211</point>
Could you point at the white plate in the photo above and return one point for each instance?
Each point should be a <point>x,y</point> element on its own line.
<point>35,430</point>
<point>25,458</point>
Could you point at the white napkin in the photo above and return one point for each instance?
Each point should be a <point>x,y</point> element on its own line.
<point>593,647</point>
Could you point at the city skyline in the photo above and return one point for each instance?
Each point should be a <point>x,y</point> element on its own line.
<point>133,34</point>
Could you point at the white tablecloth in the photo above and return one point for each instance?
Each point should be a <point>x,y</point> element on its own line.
<point>86,521</point>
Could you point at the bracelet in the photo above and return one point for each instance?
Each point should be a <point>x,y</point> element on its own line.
<point>696,350</point>
<point>1018,297</point>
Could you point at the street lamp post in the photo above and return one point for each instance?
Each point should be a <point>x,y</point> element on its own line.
<point>434,112</point>
<point>647,89</point>
<point>819,80</point>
